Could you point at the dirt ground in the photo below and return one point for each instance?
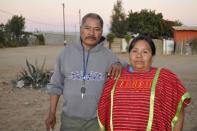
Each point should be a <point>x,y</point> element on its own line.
<point>24,109</point>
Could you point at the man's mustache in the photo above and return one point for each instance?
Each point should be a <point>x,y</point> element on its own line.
<point>91,37</point>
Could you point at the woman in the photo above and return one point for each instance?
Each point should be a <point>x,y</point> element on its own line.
<point>143,97</point>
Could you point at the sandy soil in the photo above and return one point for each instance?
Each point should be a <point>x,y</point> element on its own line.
<point>26,109</point>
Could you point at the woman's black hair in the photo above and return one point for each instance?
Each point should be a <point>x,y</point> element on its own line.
<point>145,38</point>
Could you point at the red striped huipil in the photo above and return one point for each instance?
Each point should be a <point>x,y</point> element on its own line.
<point>127,106</point>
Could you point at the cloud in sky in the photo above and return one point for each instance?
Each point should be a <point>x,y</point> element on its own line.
<point>47,14</point>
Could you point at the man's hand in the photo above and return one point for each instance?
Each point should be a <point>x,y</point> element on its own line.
<point>115,69</point>
<point>50,121</point>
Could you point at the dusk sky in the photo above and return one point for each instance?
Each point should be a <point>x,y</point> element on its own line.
<point>46,15</point>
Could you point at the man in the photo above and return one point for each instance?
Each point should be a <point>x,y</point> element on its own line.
<point>79,75</point>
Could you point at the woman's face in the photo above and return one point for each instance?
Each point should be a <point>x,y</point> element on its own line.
<point>141,56</point>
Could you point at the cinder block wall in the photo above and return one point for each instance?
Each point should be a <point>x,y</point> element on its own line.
<point>116,46</point>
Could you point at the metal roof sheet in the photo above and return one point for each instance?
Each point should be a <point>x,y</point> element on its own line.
<point>193,28</point>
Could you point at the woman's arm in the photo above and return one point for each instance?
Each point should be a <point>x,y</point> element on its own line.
<point>179,123</point>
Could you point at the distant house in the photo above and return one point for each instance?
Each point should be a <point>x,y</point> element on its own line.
<point>182,36</point>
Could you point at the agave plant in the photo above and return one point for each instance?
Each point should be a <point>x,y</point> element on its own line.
<point>34,76</point>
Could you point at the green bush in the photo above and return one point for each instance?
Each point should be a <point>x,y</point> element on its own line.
<point>13,44</point>
<point>127,38</point>
<point>110,38</point>
<point>24,40</point>
<point>1,45</point>
<point>40,39</point>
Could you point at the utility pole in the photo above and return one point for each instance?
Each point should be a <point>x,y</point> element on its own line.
<point>64,24</point>
<point>79,17</point>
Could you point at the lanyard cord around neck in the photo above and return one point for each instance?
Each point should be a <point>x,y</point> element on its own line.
<point>85,63</point>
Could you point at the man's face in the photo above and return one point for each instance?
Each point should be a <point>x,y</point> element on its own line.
<point>91,32</point>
